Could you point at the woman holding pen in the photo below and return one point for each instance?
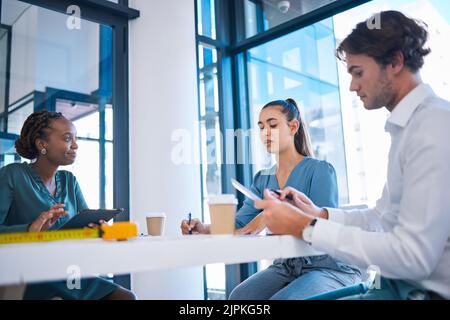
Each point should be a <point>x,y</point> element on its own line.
<point>284,134</point>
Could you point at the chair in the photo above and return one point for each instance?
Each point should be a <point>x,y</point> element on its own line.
<point>360,288</point>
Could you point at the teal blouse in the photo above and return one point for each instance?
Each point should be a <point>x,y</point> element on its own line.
<point>315,178</point>
<point>23,196</point>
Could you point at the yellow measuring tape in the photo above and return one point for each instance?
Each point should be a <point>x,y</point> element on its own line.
<point>116,231</point>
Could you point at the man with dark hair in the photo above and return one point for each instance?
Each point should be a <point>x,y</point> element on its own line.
<point>406,235</point>
<point>398,34</point>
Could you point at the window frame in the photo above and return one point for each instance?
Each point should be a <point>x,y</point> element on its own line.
<point>4,113</point>
<point>115,15</point>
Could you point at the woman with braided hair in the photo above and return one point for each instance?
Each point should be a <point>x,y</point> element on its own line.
<point>39,197</point>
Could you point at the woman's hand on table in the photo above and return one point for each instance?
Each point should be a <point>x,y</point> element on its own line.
<point>48,218</point>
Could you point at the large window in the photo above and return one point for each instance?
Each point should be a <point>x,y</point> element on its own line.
<point>66,70</point>
<point>71,57</point>
<point>4,67</point>
<point>211,145</point>
<point>274,49</point>
<point>262,15</point>
<point>302,66</point>
<point>366,142</point>
<point>206,18</point>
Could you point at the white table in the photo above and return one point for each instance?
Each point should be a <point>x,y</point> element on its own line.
<point>46,261</point>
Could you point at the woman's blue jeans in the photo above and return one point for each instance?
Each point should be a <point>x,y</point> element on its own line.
<point>297,279</point>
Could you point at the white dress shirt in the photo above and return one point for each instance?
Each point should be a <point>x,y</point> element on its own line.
<point>407,234</point>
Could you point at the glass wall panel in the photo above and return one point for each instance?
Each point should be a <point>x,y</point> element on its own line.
<point>302,66</point>
<point>262,15</point>
<point>206,18</point>
<point>366,142</point>
<point>211,144</point>
<point>66,68</point>
<point>4,56</point>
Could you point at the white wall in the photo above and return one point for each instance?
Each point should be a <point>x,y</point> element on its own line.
<point>163,98</point>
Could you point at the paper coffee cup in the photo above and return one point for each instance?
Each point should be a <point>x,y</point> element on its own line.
<point>155,223</point>
<point>222,209</point>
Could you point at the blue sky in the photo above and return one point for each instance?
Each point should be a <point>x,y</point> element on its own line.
<point>443,6</point>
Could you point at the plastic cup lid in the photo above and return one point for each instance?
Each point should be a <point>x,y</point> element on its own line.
<point>155,214</point>
<point>222,199</point>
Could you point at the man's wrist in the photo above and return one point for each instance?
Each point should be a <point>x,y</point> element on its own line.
<point>296,227</point>
<point>306,233</point>
<point>324,214</point>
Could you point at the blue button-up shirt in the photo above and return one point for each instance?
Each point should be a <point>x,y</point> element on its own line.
<point>315,178</point>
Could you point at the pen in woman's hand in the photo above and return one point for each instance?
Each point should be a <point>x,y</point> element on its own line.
<point>189,222</point>
<point>288,197</point>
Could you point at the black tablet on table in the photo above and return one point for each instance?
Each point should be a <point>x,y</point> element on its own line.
<point>85,217</point>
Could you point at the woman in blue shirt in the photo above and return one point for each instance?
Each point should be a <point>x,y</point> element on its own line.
<point>284,134</point>
<point>38,197</point>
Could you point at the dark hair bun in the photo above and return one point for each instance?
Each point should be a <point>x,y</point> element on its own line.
<point>25,149</point>
<point>292,101</point>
